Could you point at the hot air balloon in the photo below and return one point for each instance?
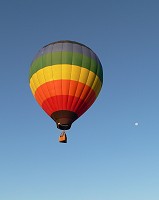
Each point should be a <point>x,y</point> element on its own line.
<point>65,79</point>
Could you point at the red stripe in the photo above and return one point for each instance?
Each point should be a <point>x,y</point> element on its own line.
<point>73,104</point>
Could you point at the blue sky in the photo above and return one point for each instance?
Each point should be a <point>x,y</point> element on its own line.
<point>107,156</point>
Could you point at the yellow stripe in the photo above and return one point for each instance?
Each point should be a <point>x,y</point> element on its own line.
<point>65,72</point>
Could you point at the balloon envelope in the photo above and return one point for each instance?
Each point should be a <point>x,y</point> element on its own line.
<point>65,79</point>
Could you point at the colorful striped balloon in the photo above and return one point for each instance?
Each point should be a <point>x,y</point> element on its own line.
<point>65,79</point>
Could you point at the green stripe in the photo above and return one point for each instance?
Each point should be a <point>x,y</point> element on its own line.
<point>78,59</point>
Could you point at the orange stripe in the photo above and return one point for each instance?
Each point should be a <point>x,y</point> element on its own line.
<point>63,87</point>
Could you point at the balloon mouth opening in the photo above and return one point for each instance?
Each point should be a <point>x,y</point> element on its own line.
<point>63,126</point>
<point>64,119</point>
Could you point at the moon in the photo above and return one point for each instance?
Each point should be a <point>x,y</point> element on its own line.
<point>136,123</point>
